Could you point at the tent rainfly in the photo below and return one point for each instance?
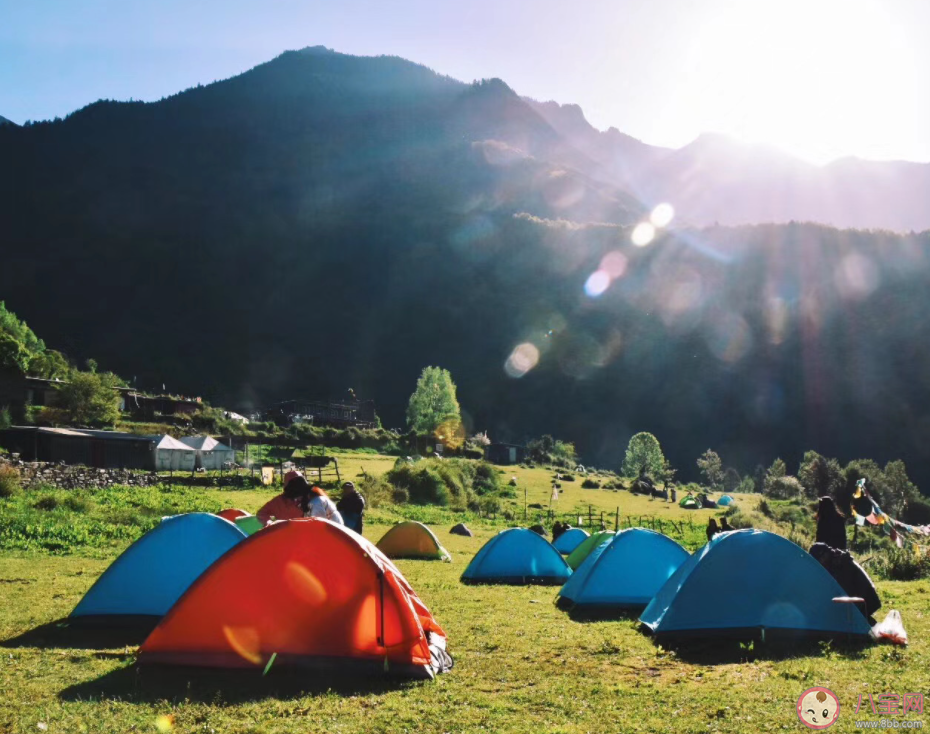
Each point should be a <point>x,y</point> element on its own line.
<point>171,454</point>
<point>211,454</point>
<point>304,593</point>
<point>569,540</point>
<point>517,556</point>
<point>625,572</point>
<point>752,584</point>
<point>153,573</point>
<point>412,540</point>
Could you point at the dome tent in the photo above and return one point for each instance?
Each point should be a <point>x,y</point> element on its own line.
<point>624,572</point>
<point>517,556</point>
<point>725,501</point>
<point>152,573</point>
<point>304,593</point>
<point>577,556</point>
<point>689,502</point>
<point>412,540</point>
<point>569,540</point>
<point>744,582</point>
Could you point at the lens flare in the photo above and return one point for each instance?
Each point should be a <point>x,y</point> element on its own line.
<point>730,339</point>
<point>856,277</point>
<point>304,584</point>
<point>662,215</point>
<point>522,359</point>
<point>450,433</point>
<point>597,283</point>
<point>643,234</point>
<point>614,264</point>
<point>245,642</point>
<point>164,723</point>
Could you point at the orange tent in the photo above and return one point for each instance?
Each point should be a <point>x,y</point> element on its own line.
<point>305,592</point>
<point>232,514</point>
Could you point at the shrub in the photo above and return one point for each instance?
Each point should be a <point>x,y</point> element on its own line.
<point>77,504</point>
<point>590,484</point>
<point>375,490</point>
<point>568,477</point>
<point>423,482</point>
<point>486,478</point>
<point>400,496</point>
<point>46,503</point>
<point>901,565</point>
<point>6,419</point>
<point>9,481</point>
<point>490,505</point>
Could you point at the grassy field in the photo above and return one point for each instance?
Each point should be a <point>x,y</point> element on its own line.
<point>521,664</point>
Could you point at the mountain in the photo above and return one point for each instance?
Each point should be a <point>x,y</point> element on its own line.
<point>325,221</point>
<point>716,179</point>
<point>4,121</point>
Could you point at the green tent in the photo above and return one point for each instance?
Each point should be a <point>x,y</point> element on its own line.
<point>689,503</point>
<point>577,556</point>
<point>249,524</point>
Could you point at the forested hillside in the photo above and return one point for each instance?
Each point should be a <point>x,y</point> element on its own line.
<point>325,221</point>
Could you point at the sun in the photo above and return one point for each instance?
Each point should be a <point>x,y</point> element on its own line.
<point>819,78</point>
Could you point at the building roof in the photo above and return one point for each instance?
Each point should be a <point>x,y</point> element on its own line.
<point>85,433</point>
<point>168,442</point>
<point>204,443</point>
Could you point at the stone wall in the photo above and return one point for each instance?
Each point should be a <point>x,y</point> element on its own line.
<point>63,476</point>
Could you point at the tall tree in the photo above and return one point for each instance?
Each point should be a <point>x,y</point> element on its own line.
<point>434,402</point>
<point>643,453</point>
<point>711,468</point>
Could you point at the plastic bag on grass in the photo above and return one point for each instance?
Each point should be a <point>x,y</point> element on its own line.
<point>891,628</point>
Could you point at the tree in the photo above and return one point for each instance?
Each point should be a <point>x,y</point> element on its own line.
<point>777,470</point>
<point>712,468</point>
<point>820,477</point>
<point>433,403</point>
<point>13,355</point>
<point>50,365</point>
<point>643,454</point>
<point>731,479</point>
<point>90,399</point>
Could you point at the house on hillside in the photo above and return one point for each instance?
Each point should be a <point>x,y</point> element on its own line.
<point>17,391</point>
<point>99,449</point>
<point>335,413</point>
<point>148,407</point>
<point>505,453</point>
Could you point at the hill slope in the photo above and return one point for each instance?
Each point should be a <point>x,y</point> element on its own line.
<point>325,221</point>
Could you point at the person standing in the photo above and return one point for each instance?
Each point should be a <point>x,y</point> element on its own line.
<point>352,507</point>
<point>291,504</point>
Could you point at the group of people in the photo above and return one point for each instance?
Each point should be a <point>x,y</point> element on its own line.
<point>302,499</point>
<point>713,528</point>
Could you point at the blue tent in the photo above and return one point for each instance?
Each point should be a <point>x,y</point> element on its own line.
<point>725,501</point>
<point>626,571</point>
<point>152,573</point>
<point>569,540</point>
<point>517,556</point>
<point>746,581</point>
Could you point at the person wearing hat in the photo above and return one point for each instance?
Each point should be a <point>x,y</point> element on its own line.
<point>352,507</point>
<point>291,504</point>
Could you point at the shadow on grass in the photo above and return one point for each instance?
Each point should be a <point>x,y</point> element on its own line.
<point>68,635</point>
<point>724,651</point>
<point>136,684</point>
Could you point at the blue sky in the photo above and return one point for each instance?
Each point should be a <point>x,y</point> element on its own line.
<point>821,78</point>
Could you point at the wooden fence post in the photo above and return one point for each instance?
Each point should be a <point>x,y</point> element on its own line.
<point>617,521</point>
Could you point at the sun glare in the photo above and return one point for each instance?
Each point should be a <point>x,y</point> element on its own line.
<point>819,78</point>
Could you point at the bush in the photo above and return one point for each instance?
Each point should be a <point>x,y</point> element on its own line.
<point>400,496</point>
<point>590,484</point>
<point>77,504</point>
<point>376,491</point>
<point>9,481</point>
<point>486,478</point>
<point>568,477</point>
<point>423,482</point>
<point>46,503</point>
<point>901,565</point>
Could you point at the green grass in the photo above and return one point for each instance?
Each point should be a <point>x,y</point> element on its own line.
<point>521,664</point>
